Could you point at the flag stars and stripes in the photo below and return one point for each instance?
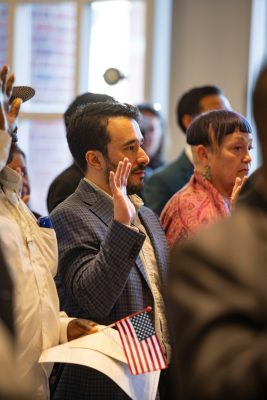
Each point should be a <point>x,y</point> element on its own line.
<point>143,326</point>
<point>140,344</point>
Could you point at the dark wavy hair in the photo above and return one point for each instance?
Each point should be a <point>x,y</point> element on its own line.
<point>82,99</point>
<point>210,128</point>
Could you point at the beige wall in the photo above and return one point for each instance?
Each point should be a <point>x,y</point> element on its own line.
<point>210,45</point>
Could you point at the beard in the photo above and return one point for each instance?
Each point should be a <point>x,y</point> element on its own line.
<point>132,188</point>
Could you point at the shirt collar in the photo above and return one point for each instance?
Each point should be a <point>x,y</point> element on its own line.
<point>10,179</point>
<point>136,200</point>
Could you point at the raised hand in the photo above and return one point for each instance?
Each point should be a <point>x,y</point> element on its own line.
<point>239,182</point>
<point>8,113</point>
<point>124,210</point>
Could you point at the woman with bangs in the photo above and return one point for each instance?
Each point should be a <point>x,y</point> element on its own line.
<point>221,142</point>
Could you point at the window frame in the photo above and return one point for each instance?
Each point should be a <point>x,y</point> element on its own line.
<point>82,48</point>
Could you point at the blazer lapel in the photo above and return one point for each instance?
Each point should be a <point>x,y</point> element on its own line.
<point>98,202</point>
<point>141,268</point>
<point>102,206</point>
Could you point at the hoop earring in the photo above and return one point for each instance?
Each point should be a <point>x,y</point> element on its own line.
<point>206,174</point>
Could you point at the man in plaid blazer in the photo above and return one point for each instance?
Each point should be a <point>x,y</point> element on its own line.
<point>112,249</point>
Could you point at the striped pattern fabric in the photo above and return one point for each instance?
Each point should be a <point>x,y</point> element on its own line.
<point>140,343</point>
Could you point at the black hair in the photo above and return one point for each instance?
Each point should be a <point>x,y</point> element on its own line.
<point>189,103</point>
<point>18,150</point>
<point>82,99</point>
<point>149,108</point>
<point>87,128</point>
<point>211,127</point>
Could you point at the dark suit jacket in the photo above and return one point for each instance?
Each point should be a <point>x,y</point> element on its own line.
<point>102,275</point>
<point>218,296</point>
<point>63,186</point>
<point>248,187</point>
<point>166,181</point>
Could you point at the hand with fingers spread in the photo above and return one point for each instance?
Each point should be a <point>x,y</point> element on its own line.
<point>236,190</point>
<point>124,210</point>
<point>8,113</point>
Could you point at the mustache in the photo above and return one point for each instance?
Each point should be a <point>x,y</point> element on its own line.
<point>140,167</point>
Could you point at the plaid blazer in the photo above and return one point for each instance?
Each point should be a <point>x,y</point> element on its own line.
<point>101,276</point>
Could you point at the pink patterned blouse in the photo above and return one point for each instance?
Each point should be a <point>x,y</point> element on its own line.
<point>195,206</point>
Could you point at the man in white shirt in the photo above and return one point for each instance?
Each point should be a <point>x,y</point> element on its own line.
<point>31,255</point>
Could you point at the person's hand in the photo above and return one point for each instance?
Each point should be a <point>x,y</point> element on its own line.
<point>124,210</point>
<point>25,198</point>
<point>239,182</point>
<point>8,113</point>
<point>79,327</point>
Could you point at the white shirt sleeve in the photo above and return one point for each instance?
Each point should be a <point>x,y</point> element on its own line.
<point>5,143</point>
<point>64,321</point>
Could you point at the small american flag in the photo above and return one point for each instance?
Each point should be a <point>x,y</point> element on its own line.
<point>140,343</point>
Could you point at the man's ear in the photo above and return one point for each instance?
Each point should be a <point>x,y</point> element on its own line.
<point>94,159</point>
<point>186,120</point>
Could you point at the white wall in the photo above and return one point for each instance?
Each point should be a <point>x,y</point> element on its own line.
<point>210,45</point>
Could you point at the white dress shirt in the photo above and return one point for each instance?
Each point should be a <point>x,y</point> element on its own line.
<point>149,261</point>
<point>31,254</point>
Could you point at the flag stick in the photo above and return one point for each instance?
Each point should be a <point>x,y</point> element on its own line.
<point>147,309</point>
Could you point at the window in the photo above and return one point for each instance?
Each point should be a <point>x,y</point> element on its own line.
<point>3,33</point>
<point>120,44</point>
<point>45,54</point>
<point>62,49</point>
<point>47,155</point>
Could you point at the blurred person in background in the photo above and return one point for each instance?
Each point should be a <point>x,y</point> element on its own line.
<point>7,332</point>
<point>220,143</point>
<point>218,297</point>
<point>67,181</point>
<point>165,182</point>
<point>11,386</point>
<point>151,126</point>
<point>18,163</point>
<point>248,187</point>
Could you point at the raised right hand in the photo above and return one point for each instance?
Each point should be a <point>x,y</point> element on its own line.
<point>8,113</point>
<point>124,210</point>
